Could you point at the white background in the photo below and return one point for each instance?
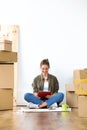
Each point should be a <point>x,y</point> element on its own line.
<point>53,29</point>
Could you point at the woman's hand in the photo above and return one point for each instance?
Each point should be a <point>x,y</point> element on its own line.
<point>36,94</point>
<point>48,96</point>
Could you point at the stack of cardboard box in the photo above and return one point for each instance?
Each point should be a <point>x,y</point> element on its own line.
<point>7,59</point>
<point>80,79</point>
<point>76,93</point>
<point>9,39</point>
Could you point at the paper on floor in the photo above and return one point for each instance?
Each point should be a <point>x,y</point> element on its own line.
<point>25,109</point>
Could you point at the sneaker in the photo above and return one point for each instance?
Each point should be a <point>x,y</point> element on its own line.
<point>32,106</point>
<point>53,106</point>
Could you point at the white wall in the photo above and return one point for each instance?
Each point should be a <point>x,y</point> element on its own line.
<point>53,29</point>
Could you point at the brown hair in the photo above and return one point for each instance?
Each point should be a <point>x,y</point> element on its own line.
<point>45,62</point>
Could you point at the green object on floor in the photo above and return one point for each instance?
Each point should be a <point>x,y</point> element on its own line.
<point>65,107</point>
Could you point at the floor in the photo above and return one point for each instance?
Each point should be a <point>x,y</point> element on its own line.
<point>14,120</point>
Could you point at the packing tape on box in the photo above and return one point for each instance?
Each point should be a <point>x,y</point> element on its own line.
<point>80,81</point>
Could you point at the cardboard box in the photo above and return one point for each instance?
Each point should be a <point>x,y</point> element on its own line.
<point>6,99</point>
<point>71,99</point>
<point>82,106</point>
<point>70,87</point>
<point>8,56</point>
<point>73,87</point>
<point>6,75</point>
<point>5,45</point>
<point>80,74</point>
<point>81,89</point>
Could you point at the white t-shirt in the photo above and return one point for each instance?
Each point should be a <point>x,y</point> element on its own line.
<point>45,86</point>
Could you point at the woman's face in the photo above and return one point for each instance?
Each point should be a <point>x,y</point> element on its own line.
<point>44,70</point>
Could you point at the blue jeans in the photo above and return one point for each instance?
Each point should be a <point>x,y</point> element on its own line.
<point>58,97</point>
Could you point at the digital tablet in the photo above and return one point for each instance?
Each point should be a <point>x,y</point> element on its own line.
<point>43,94</point>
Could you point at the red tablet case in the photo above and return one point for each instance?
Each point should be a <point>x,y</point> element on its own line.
<point>43,94</point>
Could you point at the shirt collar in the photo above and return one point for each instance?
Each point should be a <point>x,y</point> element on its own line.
<point>43,77</point>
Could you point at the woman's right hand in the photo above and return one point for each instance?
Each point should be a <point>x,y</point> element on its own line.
<point>36,94</point>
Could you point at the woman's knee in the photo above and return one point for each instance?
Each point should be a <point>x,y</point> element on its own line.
<point>26,96</point>
<point>61,95</point>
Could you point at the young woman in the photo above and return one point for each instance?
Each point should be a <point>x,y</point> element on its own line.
<point>45,82</point>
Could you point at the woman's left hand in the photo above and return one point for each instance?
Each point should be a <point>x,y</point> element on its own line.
<point>48,96</point>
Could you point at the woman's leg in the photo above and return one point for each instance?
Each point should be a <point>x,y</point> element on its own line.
<point>56,98</point>
<point>29,97</point>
